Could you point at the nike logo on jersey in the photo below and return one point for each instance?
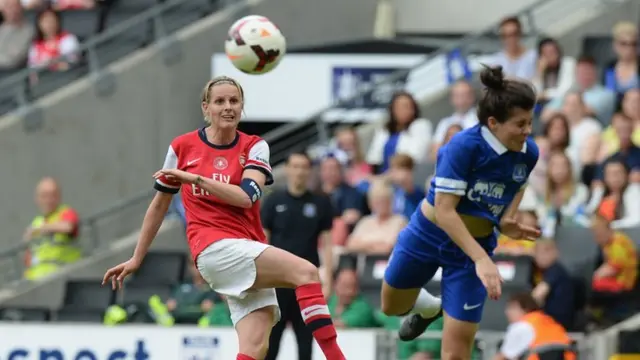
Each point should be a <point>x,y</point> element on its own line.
<point>191,162</point>
<point>281,208</point>
<point>470,307</point>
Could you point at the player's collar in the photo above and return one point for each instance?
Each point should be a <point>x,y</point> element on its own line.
<point>495,144</point>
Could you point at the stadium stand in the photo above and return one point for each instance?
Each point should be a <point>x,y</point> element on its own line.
<point>74,296</point>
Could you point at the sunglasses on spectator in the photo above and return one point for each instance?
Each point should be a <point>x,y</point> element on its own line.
<point>627,43</point>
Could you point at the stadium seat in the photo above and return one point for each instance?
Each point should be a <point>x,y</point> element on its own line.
<point>493,317</point>
<point>81,23</point>
<point>17,314</point>
<point>347,261</point>
<point>578,249</point>
<point>516,270</point>
<point>87,296</point>
<point>140,294</point>
<point>75,315</point>
<point>160,269</point>
<point>421,172</point>
<point>373,270</point>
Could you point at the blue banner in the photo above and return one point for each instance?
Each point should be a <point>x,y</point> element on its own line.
<point>349,81</point>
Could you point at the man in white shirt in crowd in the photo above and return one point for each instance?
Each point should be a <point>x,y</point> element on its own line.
<point>516,59</point>
<point>600,101</point>
<point>15,36</point>
<point>463,100</point>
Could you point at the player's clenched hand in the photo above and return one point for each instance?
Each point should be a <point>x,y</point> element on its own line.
<point>118,273</point>
<point>517,231</point>
<point>488,273</point>
<point>176,175</point>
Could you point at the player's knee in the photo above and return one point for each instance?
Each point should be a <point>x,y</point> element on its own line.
<point>305,273</point>
<point>391,304</point>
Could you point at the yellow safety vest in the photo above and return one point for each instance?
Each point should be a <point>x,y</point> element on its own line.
<point>49,252</point>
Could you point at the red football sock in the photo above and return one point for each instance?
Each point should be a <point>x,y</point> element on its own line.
<point>315,314</point>
<point>244,357</point>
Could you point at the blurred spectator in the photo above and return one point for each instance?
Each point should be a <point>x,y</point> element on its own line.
<point>15,36</point>
<point>348,308</point>
<point>565,198</point>
<point>463,99</point>
<point>555,138</point>
<point>357,169</point>
<point>451,131</point>
<point>190,301</point>
<point>620,264</point>
<point>620,202</point>
<point>218,316</point>
<point>58,4</point>
<point>610,142</point>
<point>518,247</point>
<point>516,60</point>
<point>627,151</point>
<point>52,235</point>
<point>299,221</point>
<point>405,132</point>
<point>599,101</point>
<point>530,328</point>
<point>177,208</point>
<point>376,233</point>
<point>407,195</point>
<point>347,202</point>
<point>623,73</point>
<point>584,134</point>
<point>555,73</point>
<point>52,42</point>
<point>554,289</point>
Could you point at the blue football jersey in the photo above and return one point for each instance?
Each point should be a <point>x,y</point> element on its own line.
<point>478,167</point>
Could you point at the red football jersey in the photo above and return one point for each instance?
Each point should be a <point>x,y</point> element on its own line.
<point>208,218</point>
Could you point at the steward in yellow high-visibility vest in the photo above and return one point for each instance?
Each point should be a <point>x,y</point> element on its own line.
<point>49,248</point>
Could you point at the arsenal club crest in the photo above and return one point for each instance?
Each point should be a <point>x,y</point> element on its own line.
<point>220,163</point>
<point>243,159</point>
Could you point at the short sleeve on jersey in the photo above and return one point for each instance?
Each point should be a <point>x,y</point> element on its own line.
<point>259,160</point>
<point>453,166</point>
<point>163,184</point>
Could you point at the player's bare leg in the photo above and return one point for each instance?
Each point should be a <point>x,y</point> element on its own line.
<point>423,307</point>
<point>457,339</point>
<point>278,268</point>
<point>253,333</point>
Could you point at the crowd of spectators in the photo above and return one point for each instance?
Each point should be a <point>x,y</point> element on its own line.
<point>35,43</point>
<point>588,175</point>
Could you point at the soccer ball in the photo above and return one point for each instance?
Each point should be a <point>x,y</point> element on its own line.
<point>255,45</point>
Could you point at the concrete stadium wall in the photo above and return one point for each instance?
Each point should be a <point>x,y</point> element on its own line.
<point>49,293</point>
<point>453,16</point>
<point>106,148</point>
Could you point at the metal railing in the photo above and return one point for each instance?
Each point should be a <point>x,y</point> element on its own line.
<point>18,84</point>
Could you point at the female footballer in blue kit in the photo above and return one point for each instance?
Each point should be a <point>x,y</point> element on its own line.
<point>478,185</point>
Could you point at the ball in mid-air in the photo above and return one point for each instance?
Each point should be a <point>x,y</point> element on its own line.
<point>255,45</point>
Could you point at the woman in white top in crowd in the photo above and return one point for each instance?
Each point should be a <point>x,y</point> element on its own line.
<point>555,138</point>
<point>565,197</point>
<point>621,201</point>
<point>377,233</point>
<point>52,42</point>
<point>555,74</point>
<point>405,132</point>
<point>585,131</point>
<point>516,60</point>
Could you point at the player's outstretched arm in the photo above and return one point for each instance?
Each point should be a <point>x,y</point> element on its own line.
<point>510,227</point>
<point>150,226</point>
<point>450,221</point>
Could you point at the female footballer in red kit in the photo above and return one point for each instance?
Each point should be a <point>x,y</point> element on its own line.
<point>222,173</point>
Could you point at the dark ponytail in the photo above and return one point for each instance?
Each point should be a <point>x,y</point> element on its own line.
<point>501,96</point>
